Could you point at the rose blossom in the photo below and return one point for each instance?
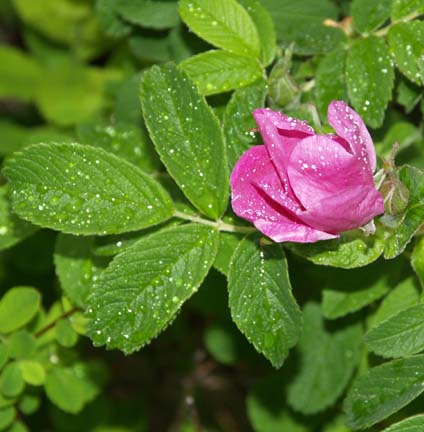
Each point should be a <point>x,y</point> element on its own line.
<point>304,187</point>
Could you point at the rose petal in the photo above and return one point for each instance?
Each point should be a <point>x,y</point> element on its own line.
<point>336,189</point>
<point>280,135</point>
<point>349,125</point>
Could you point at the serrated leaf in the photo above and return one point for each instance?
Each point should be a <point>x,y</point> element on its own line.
<point>76,267</point>
<point>400,335</point>
<point>187,137</point>
<point>349,251</point>
<point>406,42</point>
<point>228,243</point>
<point>223,23</point>
<point>219,71</point>
<point>383,390</point>
<point>370,15</point>
<point>370,79</point>
<point>411,424</point>
<point>412,218</point>
<point>265,27</point>
<point>144,287</point>
<point>17,307</point>
<point>326,358</point>
<point>330,83</point>
<point>403,8</point>
<point>148,13</point>
<point>261,301</point>
<point>238,122</point>
<point>83,190</point>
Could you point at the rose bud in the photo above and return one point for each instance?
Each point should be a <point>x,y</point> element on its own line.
<point>303,187</point>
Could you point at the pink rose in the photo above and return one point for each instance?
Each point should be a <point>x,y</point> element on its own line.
<point>304,187</point>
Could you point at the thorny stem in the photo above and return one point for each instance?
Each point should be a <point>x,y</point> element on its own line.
<point>48,327</point>
<point>219,225</point>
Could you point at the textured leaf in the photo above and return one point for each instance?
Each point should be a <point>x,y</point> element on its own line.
<point>403,8</point>
<point>265,27</point>
<point>220,71</point>
<point>17,307</point>
<point>350,251</point>
<point>83,190</point>
<point>400,335</point>
<point>261,301</point>
<point>406,42</point>
<point>187,137</point>
<point>412,218</point>
<point>227,245</point>
<point>223,23</point>
<point>383,390</point>
<point>144,287</point>
<point>149,13</point>
<point>370,78</point>
<point>327,363</point>
<point>238,120</point>
<point>370,15</point>
<point>411,424</point>
<point>330,81</point>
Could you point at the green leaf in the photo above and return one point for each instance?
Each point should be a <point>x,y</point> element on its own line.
<point>76,267</point>
<point>370,78</point>
<point>265,27</point>
<point>187,136</point>
<point>408,94</point>
<point>111,23</point>
<point>83,190</point>
<point>403,8</point>
<point>65,334</point>
<point>11,380</point>
<point>326,358</point>
<point>17,308</point>
<point>417,259</point>
<point>301,23</point>
<point>227,245</point>
<point>12,229</point>
<point>238,120</point>
<point>223,23</point>
<point>21,344</point>
<point>370,15</point>
<point>330,81</point>
<point>33,372</point>
<point>406,42</point>
<point>7,415</point>
<point>142,290</point>
<point>349,251</point>
<point>383,390</point>
<point>19,74</point>
<point>411,219</point>
<point>124,140</point>
<point>4,356</point>
<point>411,424</point>
<point>261,301</point>
<point>29,404</point>
<point>219,71</point>
<point>348,291</point>
<point>400,335</point>
<point>148,13</point>
<point>221,343</point>
<point>402,133</point>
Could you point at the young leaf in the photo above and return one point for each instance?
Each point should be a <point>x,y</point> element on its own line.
<point>11,381</point>
<point>261,301</point>
<point>17,307</point>
<point>326,358</point>
<point>219,71</point>
<point>370,78</point>
<point>223,23</point>
<point>406,42</point>
<point>83,190</point>
<point>33,372</point>
<point>410,221</point>
<point>400,335</point>
<point>370,15</point>
<point>7,416</point>
<point>411,424</point>
<point>143,288</point>
<point>238,120</point>
<point>187,136</point>
<point>403,8</point>
<point>383,390</point>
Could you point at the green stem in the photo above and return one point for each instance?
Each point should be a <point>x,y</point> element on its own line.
<point>219,225</point>
<point>385,30</point>
<point>48,327</point>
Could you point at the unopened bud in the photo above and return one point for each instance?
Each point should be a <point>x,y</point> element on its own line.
<point>395,194</point>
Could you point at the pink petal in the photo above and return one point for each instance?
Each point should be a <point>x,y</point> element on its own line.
<point>349,125</point>
<point>280,135</point>
<point>258,196</point>
<point>335,188</point>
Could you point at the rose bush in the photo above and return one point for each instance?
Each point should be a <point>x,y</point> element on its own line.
<point>304,187</point>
